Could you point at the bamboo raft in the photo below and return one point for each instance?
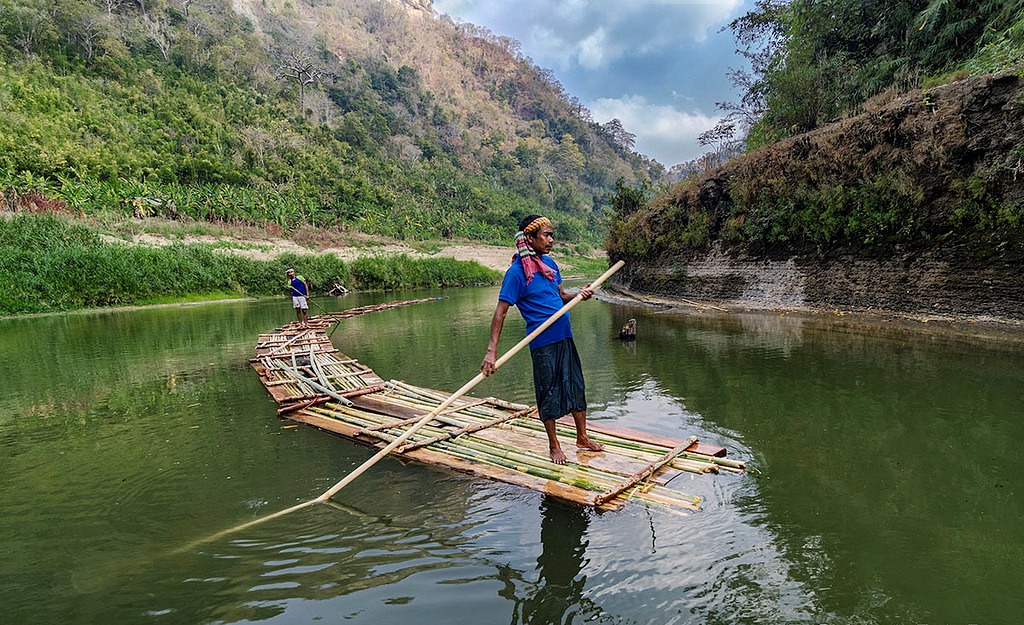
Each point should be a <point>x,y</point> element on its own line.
<point>315,384</point>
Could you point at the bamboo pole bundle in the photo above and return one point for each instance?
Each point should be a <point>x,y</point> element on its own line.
<point>287,343</point>
<point>314,385</point>
<point>430,399</point>
<point>646,453</point>
<point>469,429</point>
<point>579,476</point>
<point>493,453</point>
<point>488,453</point>
<point>736,466</point>
<point>426,399</point>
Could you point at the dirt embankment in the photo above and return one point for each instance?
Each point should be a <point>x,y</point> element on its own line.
<point>957,151</point>
<point>924,286</point>
<point>267,248</point>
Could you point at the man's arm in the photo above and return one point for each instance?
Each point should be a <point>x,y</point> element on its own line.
<point>497,323</point>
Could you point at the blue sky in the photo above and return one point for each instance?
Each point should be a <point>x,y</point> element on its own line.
<point>659,66</point>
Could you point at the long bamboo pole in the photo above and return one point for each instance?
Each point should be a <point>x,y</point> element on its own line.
<point>351,477</point>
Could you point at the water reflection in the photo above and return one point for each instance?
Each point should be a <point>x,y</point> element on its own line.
<point>557,596</point>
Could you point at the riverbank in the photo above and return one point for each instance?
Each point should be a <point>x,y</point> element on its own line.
<point>270,243</point>
<point>60,262</point>
<point>54,263</point>
<point>994,331</point>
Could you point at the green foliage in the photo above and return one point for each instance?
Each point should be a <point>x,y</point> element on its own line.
<point>816,61</point>
<point>627,200</point>
<point>53,265</point>
<point>822,214</point>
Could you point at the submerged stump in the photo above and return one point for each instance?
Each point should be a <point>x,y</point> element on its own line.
<point>628,331</point>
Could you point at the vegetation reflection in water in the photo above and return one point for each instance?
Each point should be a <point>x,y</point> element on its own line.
<point>889,491</point>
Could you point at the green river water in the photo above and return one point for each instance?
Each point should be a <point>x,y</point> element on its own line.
<point>889,490</point>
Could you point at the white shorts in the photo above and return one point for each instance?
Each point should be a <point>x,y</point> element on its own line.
<point>299,301</point>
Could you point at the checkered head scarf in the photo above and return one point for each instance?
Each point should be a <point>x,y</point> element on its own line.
<point>528,256</point>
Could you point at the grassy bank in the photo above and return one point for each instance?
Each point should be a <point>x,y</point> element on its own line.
<point>51,264</point>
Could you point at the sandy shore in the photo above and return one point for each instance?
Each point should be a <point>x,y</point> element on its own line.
<point>491,256</point>
<point>257,245</point>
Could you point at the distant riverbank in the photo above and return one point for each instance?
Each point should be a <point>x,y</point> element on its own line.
<point>59,263</point>
<point>53,264</point>
<point>994,332</point>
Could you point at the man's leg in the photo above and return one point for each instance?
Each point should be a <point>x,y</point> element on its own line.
<point>582,440</point>
<point>554,448</point>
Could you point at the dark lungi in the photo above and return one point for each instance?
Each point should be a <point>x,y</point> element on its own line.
<point>558,380</point>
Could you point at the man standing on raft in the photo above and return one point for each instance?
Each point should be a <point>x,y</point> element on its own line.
<point>534,285</point>
<point>299,291</point>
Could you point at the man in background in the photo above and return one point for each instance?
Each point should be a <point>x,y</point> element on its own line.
<point>299,291</point>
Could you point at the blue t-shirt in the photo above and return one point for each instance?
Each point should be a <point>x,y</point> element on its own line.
<point>537,301</point>
<point>297,287</point>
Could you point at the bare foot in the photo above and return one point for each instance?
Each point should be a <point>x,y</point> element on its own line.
<point>586,443</point>
<point>557,455</point>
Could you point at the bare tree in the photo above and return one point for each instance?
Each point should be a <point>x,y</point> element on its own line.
<point>301,69</point>
<point>722,142</point>
<point>159,31</point>
<point>619,134</point>
<point>110,6</point>
<point>90,30</point>
<point>30,26</point>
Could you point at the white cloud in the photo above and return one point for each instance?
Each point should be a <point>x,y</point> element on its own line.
<point>663,132</point>
<point>595,33</point>
<point>663,52</point>
<point>592,50</point>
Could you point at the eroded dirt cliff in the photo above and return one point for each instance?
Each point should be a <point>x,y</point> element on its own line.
<point>915,207</point>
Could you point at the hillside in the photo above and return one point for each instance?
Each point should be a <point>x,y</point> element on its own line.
<point>913,206</point>
<point>374,115</point>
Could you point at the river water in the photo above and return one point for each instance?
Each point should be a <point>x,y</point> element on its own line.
<point>889,487</point>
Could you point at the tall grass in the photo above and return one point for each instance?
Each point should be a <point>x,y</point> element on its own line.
<point>50,264</point>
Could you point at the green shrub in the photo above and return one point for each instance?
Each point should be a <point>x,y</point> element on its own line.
<point>52,265</point>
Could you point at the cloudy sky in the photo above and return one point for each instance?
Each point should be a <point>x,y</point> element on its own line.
<point>659,66</point>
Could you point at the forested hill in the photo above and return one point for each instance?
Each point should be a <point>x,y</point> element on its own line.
<point>378,115</point>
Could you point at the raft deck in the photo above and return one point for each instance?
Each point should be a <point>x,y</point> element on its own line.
<point>315,384</point>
